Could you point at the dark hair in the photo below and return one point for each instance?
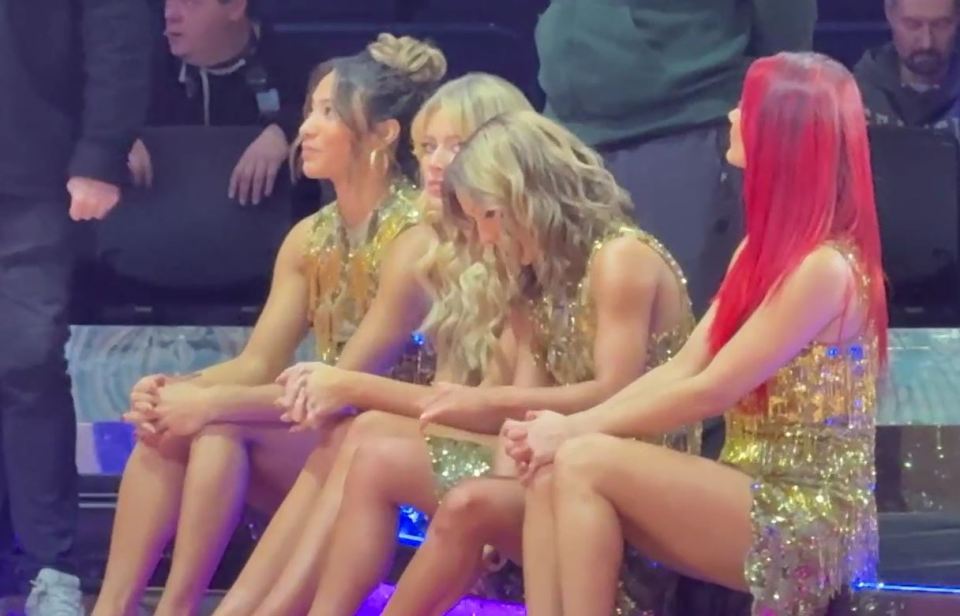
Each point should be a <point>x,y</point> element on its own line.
<point>390,79</point>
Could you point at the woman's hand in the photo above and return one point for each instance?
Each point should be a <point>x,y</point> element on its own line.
<point>313,394</point>
<point>534,443</point>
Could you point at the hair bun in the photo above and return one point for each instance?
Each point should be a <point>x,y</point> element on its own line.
<point>420,61</point>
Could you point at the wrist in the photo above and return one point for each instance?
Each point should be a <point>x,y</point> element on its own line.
<point>275,131</point>
<point>214,400</point>
<point>504,399</point>
<point>345,385</point>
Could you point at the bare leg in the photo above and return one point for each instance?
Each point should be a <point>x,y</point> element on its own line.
<point>220,462</point>
<point>146,516</point>
<point>296,570</point>
<point>385,472</point>
<point>541,580</point>
<point>473,514</point>
<point>262,570</point>
<point>661,496</point>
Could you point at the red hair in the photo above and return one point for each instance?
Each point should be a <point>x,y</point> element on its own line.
<point>807,180</point>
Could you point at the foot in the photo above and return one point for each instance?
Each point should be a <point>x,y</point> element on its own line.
<point>55,594</point>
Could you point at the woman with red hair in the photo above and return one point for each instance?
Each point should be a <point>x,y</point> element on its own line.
<point>791,350</point>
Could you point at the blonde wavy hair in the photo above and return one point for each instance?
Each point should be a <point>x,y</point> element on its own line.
<point>456,268</point>
<point>548,186</point>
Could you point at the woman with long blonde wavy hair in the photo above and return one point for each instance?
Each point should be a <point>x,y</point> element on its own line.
<point>585,303</point>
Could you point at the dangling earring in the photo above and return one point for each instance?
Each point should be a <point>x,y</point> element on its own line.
<point>374,156</point>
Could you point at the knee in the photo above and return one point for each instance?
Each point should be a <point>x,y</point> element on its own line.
<point>461,512</point>
<point>231,432</point>
<point>374,462</point>
<point>366,425</point>
<point>581,459</point>
<point>167,447</point>
<point>540,487</point>
<point>38,348</point>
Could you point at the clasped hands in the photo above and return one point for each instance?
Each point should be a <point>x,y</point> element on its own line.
<point>313,395</point>
<point>161,405</point>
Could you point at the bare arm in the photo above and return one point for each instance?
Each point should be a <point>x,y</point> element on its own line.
<point>624,278</point>
<point>693,357</point>
<point>400,306</point>
<point>242,388</point>
<point>371,391</point>
<point>809,300</point>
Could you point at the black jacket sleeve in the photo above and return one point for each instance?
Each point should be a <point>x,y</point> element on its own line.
<point>115,41</point>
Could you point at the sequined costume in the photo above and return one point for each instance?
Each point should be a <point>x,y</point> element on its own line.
<point>563,340</point>
<point>564,331</point>
<point>810,447</point>
<point>343,274</point>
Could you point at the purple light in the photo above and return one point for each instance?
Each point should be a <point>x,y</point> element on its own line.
<point>467,607</point>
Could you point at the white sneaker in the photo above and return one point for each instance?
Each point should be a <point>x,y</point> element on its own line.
<point>55,594</point>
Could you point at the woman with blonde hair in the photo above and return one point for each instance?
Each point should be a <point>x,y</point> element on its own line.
<point>538,210</point>
<point>280,576</point>
<point>348,272</point>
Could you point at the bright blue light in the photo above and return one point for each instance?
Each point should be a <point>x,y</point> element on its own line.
<point>914,588</point>
<point>413,541</point>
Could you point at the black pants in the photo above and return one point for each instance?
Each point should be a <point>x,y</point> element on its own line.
<point>38,472</point>
<point>686,195</point>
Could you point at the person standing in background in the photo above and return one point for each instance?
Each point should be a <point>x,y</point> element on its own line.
<point>75,77</point>
<point>649,84</point>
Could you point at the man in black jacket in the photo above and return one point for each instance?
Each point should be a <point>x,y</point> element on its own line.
<point>73,92</point>
<point>218,68</point>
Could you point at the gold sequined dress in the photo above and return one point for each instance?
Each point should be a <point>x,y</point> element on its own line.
<point>564,333</point>
<point>809,445</point>
<point>344,271</point>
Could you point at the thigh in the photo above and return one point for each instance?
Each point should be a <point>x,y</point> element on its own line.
<point>394,468</point>
<point>687,512</point>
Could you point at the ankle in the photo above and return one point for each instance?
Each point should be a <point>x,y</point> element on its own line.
<point>111,604</point>
<point>175,605</point>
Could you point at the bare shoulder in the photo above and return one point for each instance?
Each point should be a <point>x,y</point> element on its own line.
<point>293,250</point>
<point>412,243</point>
<point>824,269</point>
<point>625,267</point>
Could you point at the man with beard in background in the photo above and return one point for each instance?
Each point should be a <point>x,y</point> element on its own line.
<point>915,79</point>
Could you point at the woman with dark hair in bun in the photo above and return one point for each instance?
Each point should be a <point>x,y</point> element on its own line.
<point>210,442</point>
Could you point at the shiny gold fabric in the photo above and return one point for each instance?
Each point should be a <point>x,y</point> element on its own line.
<point>343,276</point>
<point>810,447</point>
<point>563,344</point>
<point>566,328</point>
